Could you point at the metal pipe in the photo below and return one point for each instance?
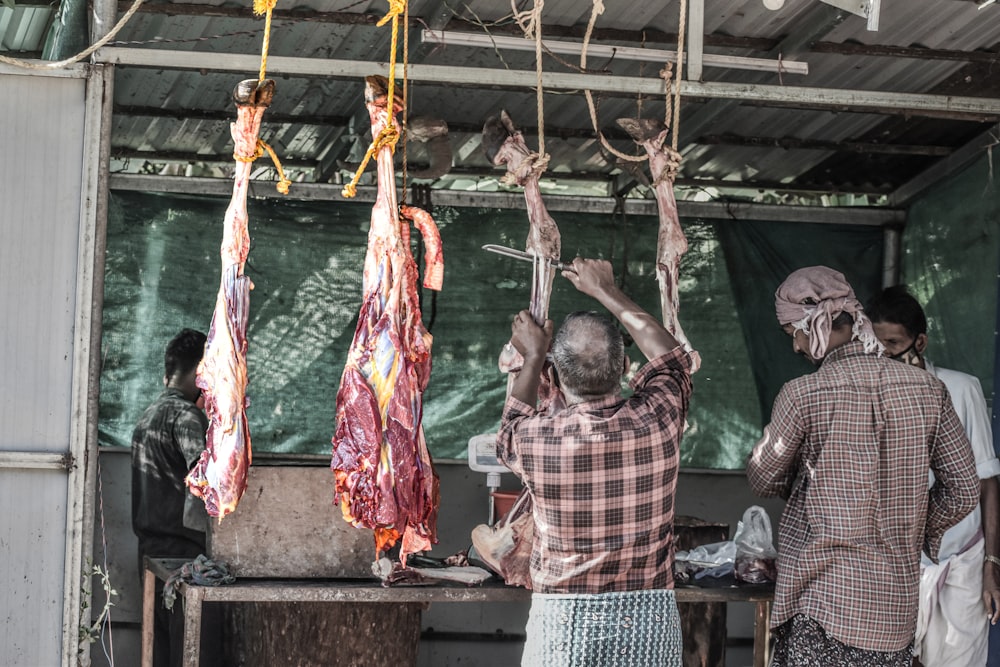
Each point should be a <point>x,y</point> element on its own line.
<point>892,241</point>
<point>86,352</point>
<point>725,211</point>
<point>917,104</point>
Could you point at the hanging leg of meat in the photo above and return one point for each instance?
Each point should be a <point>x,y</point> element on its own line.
<point>382,469</point>
<point>220,476</point>
<point>671,243</point>
<point>504,145</point>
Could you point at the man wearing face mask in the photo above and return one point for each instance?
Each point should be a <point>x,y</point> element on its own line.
<point>850,447</point>
<point>952,627</point>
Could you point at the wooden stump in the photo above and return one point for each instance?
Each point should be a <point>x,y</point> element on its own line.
<point>317,634</point>
<point>703,624</point>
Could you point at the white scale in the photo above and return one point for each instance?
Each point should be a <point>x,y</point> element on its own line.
<point>483,458</point>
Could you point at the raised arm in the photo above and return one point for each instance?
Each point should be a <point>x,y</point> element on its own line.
<point>596,278</point>
<point>532,341</point>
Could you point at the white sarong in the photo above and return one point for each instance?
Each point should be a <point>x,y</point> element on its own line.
<point>952,625</point>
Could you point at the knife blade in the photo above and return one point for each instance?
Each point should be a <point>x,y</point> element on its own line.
<point>524,256</point>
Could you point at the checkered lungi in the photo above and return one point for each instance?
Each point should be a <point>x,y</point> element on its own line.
<point>629,629</point>
<point>802,642</point>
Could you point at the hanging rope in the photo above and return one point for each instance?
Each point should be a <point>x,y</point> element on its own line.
<point>262,147</point>
<point>531,24</point>
<point>265,7</point>
<point>596,11</point>
<point>59,64</point>
<point>678,75</point>
<point>389,135</point>
<point>406,92</point>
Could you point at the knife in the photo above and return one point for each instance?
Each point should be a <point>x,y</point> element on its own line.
<point>525,256</point>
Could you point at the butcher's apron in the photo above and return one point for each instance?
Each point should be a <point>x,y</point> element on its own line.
<point>630,629</point>
<point>952,625</point>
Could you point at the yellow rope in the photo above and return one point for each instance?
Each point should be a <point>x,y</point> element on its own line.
<point>389,135</point>
<point>264,7</point>
<point>406,91</point>
<point>283,182</point>
<point>262,146</point>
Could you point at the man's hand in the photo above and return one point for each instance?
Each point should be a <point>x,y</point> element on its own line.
<point>991,592</point>
<point>531,340</point>
<point>593,277</point>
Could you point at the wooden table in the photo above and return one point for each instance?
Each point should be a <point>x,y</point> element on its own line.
<point>337,590</point>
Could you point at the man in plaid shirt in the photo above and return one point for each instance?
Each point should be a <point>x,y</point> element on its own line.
<point>602,474</point>
<point>850,447</point>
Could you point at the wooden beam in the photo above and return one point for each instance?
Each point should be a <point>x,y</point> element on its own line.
<point>794,143</point>
<point>957,160</point>
<point>696,39</point>
<point>973,108</point>
<point>918,52</point>
<point>729,211</point>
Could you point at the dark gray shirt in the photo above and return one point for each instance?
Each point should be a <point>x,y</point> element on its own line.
<point>166,443</point>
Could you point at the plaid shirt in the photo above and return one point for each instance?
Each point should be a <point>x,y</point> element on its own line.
<point>850,447</point>
<point>602,475</point>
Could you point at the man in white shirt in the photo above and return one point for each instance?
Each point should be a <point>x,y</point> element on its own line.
<point>952,625</point>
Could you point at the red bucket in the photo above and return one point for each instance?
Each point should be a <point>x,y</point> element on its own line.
<point>503,501</point>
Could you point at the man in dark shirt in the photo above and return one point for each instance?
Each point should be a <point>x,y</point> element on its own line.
<point>166,443</point>
<point>602,473</point>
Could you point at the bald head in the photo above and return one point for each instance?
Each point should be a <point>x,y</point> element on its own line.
<point>589,355</point>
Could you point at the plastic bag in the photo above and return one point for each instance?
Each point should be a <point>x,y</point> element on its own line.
<point>708,560</point>
<point>755,553</point>
<point>505,548</point>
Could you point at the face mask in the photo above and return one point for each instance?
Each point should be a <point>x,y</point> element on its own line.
<point>909,356</point>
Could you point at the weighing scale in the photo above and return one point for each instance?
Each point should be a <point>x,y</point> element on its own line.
<point>483,458</point>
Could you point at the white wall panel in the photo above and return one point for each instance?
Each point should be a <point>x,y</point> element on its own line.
<point>32,534</point>
<point>40,178</point>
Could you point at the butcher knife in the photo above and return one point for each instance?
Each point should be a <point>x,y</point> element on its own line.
<point>525,256</point>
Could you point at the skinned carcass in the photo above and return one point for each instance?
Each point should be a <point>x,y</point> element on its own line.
<point>504,145</point>
<point>220,475</point>
<point>383,475</point>
<point>671,244</point>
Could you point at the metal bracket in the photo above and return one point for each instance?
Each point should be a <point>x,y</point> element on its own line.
<point>868,9</point>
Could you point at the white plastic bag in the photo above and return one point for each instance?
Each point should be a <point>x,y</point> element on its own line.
<point>755,553</point>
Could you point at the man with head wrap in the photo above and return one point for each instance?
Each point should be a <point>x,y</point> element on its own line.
<point>850,447</point>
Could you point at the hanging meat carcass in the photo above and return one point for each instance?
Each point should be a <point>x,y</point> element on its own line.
<point>504,145</point>
<point>383,473</point>
<point>220,476</point>
<point>671,244</point>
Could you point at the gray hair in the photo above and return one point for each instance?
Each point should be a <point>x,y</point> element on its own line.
<point>588,352</point>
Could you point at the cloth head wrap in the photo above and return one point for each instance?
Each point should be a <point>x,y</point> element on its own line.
<point>810,299</point>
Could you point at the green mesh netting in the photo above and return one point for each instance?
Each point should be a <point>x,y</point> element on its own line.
<point>950,250</point>
<point>762,254</point>
<point>306,259</point>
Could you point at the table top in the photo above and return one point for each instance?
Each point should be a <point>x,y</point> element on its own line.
<point>371,590</point>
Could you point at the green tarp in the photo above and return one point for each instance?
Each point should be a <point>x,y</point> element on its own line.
<point>950,251</point>
<point>163,270</point>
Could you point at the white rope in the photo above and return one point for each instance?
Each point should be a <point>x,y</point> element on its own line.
<point>59,64</point>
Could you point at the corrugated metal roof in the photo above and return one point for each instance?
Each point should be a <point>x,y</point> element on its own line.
<point>165,116</point>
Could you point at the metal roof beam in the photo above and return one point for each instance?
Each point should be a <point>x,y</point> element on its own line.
<point>793,143</point>
<point>973,108</point>
<point>918,52</point>
<point>942,169</point>
<point>727,211</point>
